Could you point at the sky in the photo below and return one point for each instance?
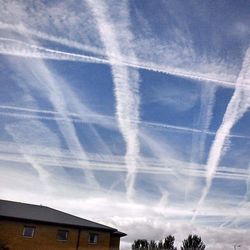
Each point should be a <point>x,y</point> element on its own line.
<point>130,113</point>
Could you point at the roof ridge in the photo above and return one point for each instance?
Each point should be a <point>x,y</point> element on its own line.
<point>57,210</point>
<point>23,203</point>
<point>81,218</point>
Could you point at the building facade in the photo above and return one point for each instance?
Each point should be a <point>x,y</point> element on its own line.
<point>31,227</point>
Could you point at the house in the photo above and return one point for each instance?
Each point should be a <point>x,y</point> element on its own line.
<point>32,227</point>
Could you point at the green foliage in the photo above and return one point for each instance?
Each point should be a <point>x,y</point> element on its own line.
<point>193,242</point>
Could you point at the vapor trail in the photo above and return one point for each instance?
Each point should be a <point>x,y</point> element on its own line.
<point>88,117</point>
<point>238,105</point>
<point>104,120</point>
<point>96,164</point>
<point>51,156</point>
<point>206,113</point>
<point>243,203</point>
<point>25,155</point>
<point>48,84</point>
<point>68,130</point>
<point>205,116</point>
<point>126,86</point>
<point>18,48</point>
<point>33,51</point>
<point>20,28</point>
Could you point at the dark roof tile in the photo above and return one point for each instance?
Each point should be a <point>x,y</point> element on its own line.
<point>26,211</point>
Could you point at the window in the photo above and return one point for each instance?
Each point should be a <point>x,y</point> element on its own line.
<point>28,231</point>
<point>93,238</point>
<point>62,235</point>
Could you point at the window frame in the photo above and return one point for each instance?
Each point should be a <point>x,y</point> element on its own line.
<point>62,230</point>
<point>96,235</point>
<point>33,231</point>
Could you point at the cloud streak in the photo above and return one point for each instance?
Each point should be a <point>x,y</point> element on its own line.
<point>205,117</point>
<point>49,156</point>
<point>18,48</point>
<point>126,89</point>
<point>77,136</point>
<point>40,77</point>
<point>98,119</point>
<point>34,51</point>
<point>20,132</point>
<point>238,105</point>
<point>21,29</point>
<point>206,114</point>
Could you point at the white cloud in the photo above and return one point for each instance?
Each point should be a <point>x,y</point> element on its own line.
<point>63,31</point>
<point>237,106</point>
<point>126,86</point>
<point>181,98</point>
<point>21,49</point>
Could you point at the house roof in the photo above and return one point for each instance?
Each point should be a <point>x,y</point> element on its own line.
<point>39,213</point>
<point>118,234</point>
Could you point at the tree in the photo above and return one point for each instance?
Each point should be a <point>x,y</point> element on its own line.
<point>136,245</point>
<point>160,245</point>
<point>169,243</point>
<point>193,242</point>
<point>140,245</point>
<point>144,244</point>
<point>152,245</point>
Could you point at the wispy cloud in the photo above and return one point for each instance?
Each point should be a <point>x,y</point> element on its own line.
<point>238,105</point>
<point>21,29</point>
<point>20,132</point>
<point>205,117</point>
<point>50,156</point>
<point>9,47</point>
<point>207,99</point>
<point>168,96</point>
<point>18,48</point>
<point>229,222</point>
<point>52,90</point>
<point>77,136</point>
<point>106,121</point>
<point>126,89</point>
<point>47,83</point>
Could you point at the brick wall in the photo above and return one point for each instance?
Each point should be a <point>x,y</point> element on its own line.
<point>103,241</point>
<point>114,243</point>
<point>45,237</point>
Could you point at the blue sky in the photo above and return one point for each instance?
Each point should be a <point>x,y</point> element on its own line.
<point>131,113</point>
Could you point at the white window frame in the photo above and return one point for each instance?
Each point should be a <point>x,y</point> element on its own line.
<point>63,230</point>
<point>33,231</point>
<point>96,238</point>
